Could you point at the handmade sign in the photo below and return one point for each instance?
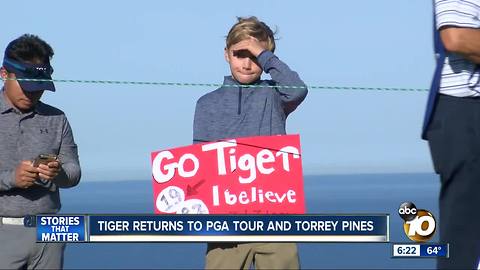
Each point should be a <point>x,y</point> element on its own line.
<point>253,175</point>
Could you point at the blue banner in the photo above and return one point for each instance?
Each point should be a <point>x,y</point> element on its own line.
<point>61,228</point>
<point>433,250</point>
<point>238,228</point>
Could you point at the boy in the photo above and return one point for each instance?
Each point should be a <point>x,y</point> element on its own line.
<point>248,106</point>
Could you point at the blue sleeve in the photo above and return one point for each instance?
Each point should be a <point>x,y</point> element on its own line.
<point>282,75</point>
<point>200,133</point>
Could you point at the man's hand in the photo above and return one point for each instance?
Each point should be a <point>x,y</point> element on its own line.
<point>25,174</point>
<point>253,45</point>
<point>48,171</point>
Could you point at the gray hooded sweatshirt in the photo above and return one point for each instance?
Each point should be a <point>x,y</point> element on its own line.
<point>234,111</point>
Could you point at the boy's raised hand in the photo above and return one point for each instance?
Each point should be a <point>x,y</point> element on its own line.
<point>253,45</point>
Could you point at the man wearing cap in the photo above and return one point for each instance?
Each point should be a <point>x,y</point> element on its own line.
<point>29,128</point>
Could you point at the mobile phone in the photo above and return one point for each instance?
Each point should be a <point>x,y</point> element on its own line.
<point>44,159</point>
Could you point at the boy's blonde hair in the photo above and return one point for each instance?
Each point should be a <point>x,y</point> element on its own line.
<point>251,26</point>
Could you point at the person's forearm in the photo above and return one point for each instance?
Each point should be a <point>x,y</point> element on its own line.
<point>295,91</point>
<point>69,176</point>
<point>279,71</point>
<point>464,41</point>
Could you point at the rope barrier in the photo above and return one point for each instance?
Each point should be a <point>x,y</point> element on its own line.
<point>186,84</point>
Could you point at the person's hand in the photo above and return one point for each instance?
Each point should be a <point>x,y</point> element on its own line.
<point>253,45</point>
<point>49,171</point>
<point>25,174</point>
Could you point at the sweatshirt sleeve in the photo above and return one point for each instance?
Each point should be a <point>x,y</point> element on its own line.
<point>282,75</point>
<point>199,123</point>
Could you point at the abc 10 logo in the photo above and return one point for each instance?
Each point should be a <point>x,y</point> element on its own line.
<point>419,224</point>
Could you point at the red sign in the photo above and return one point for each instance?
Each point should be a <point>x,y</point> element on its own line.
<point>255,175</point>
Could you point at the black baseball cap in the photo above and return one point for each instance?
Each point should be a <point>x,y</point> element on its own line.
<point>39,76</point>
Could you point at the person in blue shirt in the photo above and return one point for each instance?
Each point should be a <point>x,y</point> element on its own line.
<point>245,106</point>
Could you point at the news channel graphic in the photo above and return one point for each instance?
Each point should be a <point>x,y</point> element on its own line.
<point>419,225</point>
<point>61,228</point>
<point>419,250</point>
<point>220,228</point>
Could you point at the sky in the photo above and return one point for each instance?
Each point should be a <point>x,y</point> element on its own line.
<point>369,43</point>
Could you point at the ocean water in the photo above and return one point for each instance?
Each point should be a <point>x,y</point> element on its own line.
<point>325,194</point>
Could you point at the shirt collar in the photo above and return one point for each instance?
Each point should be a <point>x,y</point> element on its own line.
<point>40,108</point>
<point>229,80</point>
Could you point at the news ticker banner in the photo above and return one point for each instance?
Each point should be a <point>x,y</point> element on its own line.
<point>251,175</point>
<point>408,250</point>
<point>213,228</point>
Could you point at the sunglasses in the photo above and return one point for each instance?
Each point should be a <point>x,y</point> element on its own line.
<point>28,70</point>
